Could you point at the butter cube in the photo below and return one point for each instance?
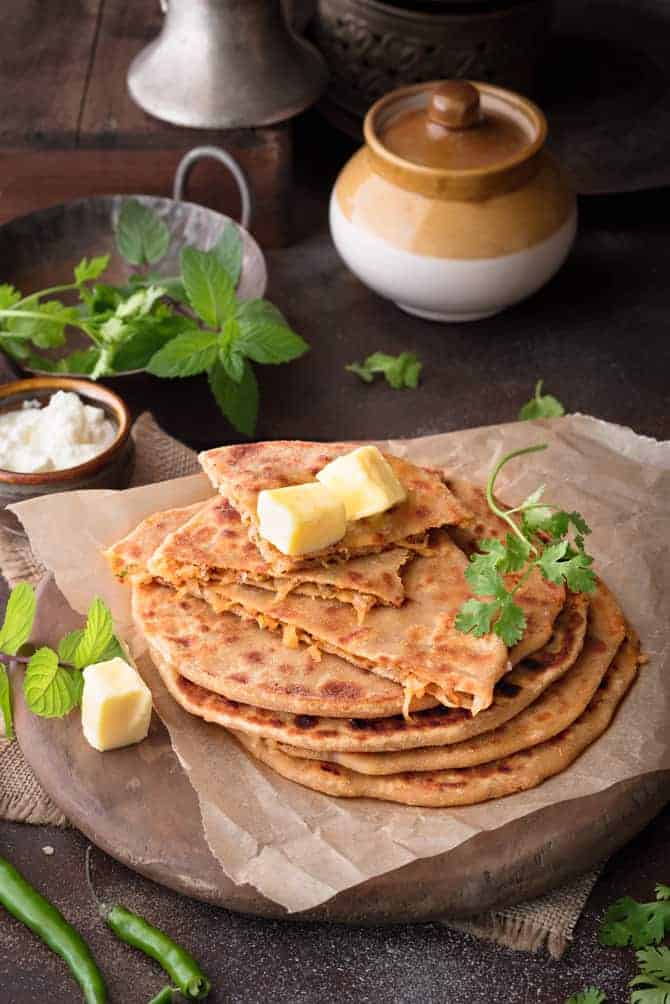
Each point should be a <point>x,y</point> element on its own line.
<point>115,706</point>
<point>301,518</point>
<point>365,482</point>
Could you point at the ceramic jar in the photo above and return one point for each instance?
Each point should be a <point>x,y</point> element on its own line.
<point>453,209</point>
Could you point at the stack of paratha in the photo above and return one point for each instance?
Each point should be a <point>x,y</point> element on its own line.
<point>343,669</point>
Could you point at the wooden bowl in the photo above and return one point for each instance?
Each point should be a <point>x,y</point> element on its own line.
<point>111,468</point>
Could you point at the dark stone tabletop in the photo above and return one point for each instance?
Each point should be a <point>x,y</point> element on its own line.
<point>598,335</point>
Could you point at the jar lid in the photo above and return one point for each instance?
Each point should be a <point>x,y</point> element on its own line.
<point>455,138</point>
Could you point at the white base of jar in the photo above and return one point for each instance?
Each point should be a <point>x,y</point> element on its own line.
<point>448,289</point>
<point>438,315</point>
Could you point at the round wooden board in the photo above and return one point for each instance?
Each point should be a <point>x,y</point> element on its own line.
<point>138,805</point>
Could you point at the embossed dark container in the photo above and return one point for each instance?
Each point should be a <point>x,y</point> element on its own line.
<point>372,48</point>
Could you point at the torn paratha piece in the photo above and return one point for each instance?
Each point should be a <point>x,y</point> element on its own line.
<point>241,472</point>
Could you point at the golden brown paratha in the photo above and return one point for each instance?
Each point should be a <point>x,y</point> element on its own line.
<point>416,645</point>
<point>470,785</point>
<point>129,556</point>
<point>241,472</point>
<point>233,657</point>
<point>552,712</point>
<point>213,546</point>
<point>369,736</point>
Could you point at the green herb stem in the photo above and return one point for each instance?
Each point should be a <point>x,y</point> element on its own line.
<point>65,288</point>
<point>495,508</point>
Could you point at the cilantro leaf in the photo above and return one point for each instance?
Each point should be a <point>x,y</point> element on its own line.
<point>19,618</point>
<point>228,250</point>
<point>579,576</point>
<point>638,924</point>
<point>46,331</point>
<point>588,996</point>
<point>208,286</point>
<point>264,335</point>
<point>192,352</point>
<point>401,371</point>
<point>79,361</point>
<point>97,634</point>
<point>6,703</point>
<point>654,977</point>
<point>511,623</point>
<point>517,552</point>
<point>51,691</point>
<point>550,560</point>
<point>483,577</point>
<point>237,401</point>
<point>541,406</point>
<point>475,617</point>
<point>141,236</point>
<point>89,269</point>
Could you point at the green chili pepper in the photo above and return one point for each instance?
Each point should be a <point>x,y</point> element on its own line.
<point>180,966</point>
<point>165,996</point>
<point>134,930</point>
<point>44,920</point>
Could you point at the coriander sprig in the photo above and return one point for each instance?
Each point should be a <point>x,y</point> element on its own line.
<point>53,681</point>
<point>541,406</point>
<point>174,326</point>
<point>401,372</point>
<point>539,538</point>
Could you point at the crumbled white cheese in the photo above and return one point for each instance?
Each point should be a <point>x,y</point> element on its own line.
<point>65,433</point>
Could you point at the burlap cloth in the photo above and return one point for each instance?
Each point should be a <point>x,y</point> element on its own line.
<point>546,922</point>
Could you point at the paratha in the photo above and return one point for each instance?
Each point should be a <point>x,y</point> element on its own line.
<point>233,657</point>
<point>469,785</point>
<point>241,472</point>
<point>213,546</point>
<point>129,556</point>
<point>317,735</point>
<point>416,645</point>
<point>552,712</point>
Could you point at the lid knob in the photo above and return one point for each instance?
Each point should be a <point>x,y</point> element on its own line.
<point>455,105</point>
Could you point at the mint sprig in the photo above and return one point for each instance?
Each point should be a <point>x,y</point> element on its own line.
<point>591,995</point>
<point>400,372</point>
<point>172,327</point>
<point>53,681</point>
<point>538,537</point>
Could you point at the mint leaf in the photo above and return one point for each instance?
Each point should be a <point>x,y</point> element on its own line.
<point>89,269</point>
<point>9,296</point>
<point>98,633</point>
<point>400,371</point>
<point>141,236</point>
<point>146,336</point>
<point>511,624</point>
<point>51,691</point>
<point>67,648</point>
<point>541,406</point>
<point>237,401</point>
<point>475,617</point>
<point>232,360</point>
<point>6,703</point>
<point>192,352</point>
<point>228,250</point>
<point>265,336</point>
<point>19,618</point>
<point>590,995</point>
<point>662,891</point>
<point>113,651</point>
<point>208,286</point>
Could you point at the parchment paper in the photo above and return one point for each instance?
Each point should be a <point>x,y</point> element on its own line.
<point>299,847</point>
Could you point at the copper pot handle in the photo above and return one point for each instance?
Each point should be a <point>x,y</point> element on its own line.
<point>216,153</point>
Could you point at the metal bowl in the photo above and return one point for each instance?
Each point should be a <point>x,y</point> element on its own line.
<point>40,250</point>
